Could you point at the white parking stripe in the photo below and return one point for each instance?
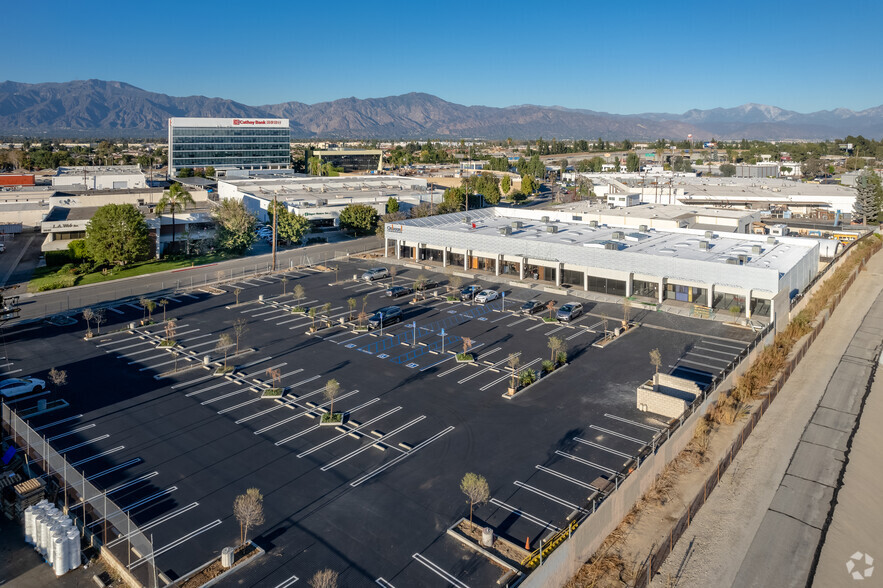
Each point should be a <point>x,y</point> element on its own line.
<point>112,309</point>
<point>84,443</point>
<point>587,462</point>
<point>288,582</point>
<point>620,435</point>
<point>71,432</point>
<point>439,572</point>
<point>98,456</point>
<point>526,516</point>
<point>548,496</point>
<point>636,423</point>
<point>115,468</point>
<point>508,376</point>
<point>401,457</point>
<point>567,478</point>
<point>47,425</point>
<point>478,373</point>
<point>602,448</point>
<point>175,543</point>
<point>352,454</point>
<point>154,523</point>
<point>190,296</point>
<point>359,428</point>
<point>300,414</point>
<point>318,425</point>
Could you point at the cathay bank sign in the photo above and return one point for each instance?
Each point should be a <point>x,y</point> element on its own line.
<point>258,121</point>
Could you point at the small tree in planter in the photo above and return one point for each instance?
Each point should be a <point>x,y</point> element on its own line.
<point>171,328</point>
<point>527,377</point>
<point>240,327</point>
<point>363,316</point>
<point>656,359</point>
<point>163,302</point>
<point>626,312</point>
<point>326,310</point>
<point>143,303</point>
<point>392,276</point>
<point>313,318</point>
<point>284,281</point>
<point>365,305</point>
<point>299,293</point>
<point>88,315</point>
<point>275,390</point>
<point>551,306</point>
<point>466,356</point>
<point>476,489</point>
<point>326,578</point>
<point>352,306</point>
<point>604,326</point>
<point>98,315</point>
<point>151,306</point>
<point>332,389</point>
<point>248,509</point>
<point>58,377</point>
<point>236,293</point>
<point>513,364</point>
<point>556,345</point>
<point>225,341</point>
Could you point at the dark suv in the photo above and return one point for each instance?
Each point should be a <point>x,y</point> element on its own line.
<point>388,315</point>
<point>469,292</point>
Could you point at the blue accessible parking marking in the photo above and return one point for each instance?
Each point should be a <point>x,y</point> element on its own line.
<point>350,345</point>
<point>382,355</point>
<point>412,365</point>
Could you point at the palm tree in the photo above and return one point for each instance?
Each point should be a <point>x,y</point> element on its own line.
<point>176,199</point>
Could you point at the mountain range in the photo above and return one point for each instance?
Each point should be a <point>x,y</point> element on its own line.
<point>98,108</point>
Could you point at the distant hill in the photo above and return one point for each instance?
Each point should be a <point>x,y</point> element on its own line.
<point>95,108</point>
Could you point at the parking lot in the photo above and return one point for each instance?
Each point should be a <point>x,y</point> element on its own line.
<point>173,443</point>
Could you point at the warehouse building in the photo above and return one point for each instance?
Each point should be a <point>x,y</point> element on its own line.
<point>321,199</point>
<point>99,177</point>
<point>692,268</point>
<point>228,143</point>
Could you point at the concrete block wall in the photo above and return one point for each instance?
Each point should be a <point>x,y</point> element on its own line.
<point>675,383</point>
<point>659,403</point>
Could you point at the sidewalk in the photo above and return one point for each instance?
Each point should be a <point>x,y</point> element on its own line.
<point>763,523</point>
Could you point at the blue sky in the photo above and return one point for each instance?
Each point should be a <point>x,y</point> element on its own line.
<point>614,56</point>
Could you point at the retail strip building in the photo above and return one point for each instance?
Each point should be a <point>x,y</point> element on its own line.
<point>694,268</point>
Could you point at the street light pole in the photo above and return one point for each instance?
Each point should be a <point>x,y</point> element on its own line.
<point>275,214</point>
<point>442,335</point>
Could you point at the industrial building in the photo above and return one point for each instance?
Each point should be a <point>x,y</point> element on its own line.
<point>665,216</point>
<point>321,199</point>
<point>99,177</point>
<point>352,160</point>
<point>228,143</point>
<point>709,269</point>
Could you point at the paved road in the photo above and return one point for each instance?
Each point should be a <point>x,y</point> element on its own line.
<point>70,300</point>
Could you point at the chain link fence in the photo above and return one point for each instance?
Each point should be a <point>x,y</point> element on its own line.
<point>101,521</point>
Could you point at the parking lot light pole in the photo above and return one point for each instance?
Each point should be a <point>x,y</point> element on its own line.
<point>443,335</point>
<point>413,325</point>
<point>381,323</point>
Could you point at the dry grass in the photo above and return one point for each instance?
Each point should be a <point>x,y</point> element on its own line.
<point>608,568</point>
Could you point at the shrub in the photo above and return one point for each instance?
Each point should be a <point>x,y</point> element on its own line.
<point>561,357</point>
<point>57,258</point>
<point>548,366</point>
<point>527,377</point>
<point>76,250</point>
<point>67,269</point>
<point>59,282</point>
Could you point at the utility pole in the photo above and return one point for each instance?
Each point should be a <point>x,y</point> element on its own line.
<point>275,214</point>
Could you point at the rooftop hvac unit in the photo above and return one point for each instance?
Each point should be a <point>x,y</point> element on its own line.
<point>505,230</point>
<point>703,245</point>
<point>593,224</point>
<point>227,557</point>
<point>612,246</point>
<point>709,234</point>
<point>545,219</point>
<point>517,224</point>
<point>742,258</point>
<point>618,235</point>
<point>732,261</point>
<point>552,229</point>
<point>770,240</point>
<point>756,249</point>
<point>642,228</point>
<point>321,202</point>
<point>467,220</point>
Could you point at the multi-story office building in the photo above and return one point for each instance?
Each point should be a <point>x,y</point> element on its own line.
<point>228,143</point>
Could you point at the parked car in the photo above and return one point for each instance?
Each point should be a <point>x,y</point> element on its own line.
<point>397,291</point>
<point>18,386</point>
<point>388,315</point>
<point>570,311</point>
<point>486,296</point>
<point>377,273</point>
<point>427,285</point>
<point>2,247</point>
<point>532,307</point>
<point>469,292</point>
